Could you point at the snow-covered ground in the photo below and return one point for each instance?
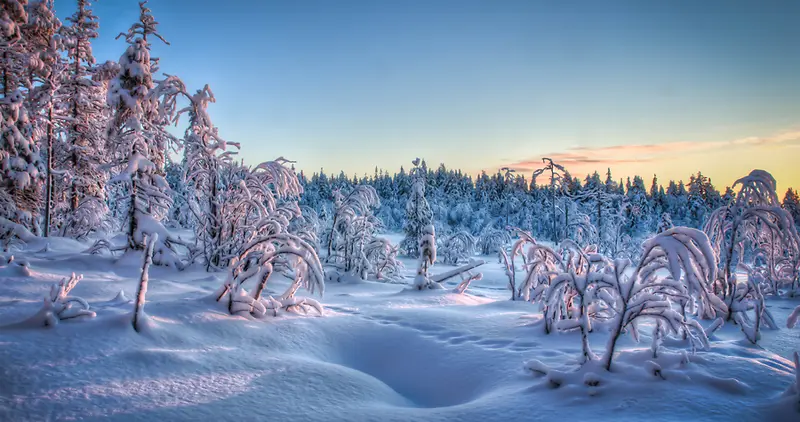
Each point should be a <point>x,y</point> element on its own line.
<point>381,352</point>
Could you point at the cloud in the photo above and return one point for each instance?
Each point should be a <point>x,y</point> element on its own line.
<point>608,156</point>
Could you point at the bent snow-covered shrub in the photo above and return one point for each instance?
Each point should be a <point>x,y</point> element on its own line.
<point>749,298</point>
<point>491,240</point>
<point>685,255</point>
<point>674,274</point>
<point>11,232</point>
<point>257,262</point>
<point>382,258</point>
<point>754,227</point>
<point>459,247</point>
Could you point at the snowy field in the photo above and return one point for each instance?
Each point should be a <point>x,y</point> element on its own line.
<point>380,352</point>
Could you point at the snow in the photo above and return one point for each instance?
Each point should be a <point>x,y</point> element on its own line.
<point>380,352</point>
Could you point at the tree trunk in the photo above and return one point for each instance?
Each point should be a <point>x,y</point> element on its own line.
<point>74,202</point>
<point>133,224</point>
<point>138,311</point>
<point>587,351</point>
<point>48,199</point>
<point>263,284</point>
<point>215,223</point>
<point>730,286</point>
<point>599,226</point>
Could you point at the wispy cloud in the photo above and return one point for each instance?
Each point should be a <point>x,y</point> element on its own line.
<point>608,156</point>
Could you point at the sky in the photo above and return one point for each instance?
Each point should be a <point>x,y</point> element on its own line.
<point>664,88</point>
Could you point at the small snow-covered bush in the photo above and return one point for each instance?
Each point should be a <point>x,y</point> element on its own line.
<point>459,247</point>
<point>382,258</point>
<point>491,240</point>
<point>60,306</point>
<point>11,232</point>
<point>748,297</point>
<point>685,254</point>
<point>256,262</point>
<point>352,228</point>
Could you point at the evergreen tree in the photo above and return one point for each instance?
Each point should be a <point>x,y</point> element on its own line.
<point>791,203</point>
<point>418,211</point>
<point>142,108</point>
<point>84,152</point>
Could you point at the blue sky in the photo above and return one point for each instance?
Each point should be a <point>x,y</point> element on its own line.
<point>350,85</point>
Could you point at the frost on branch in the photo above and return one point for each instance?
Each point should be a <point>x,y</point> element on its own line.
<point>59,306</point>
<point>560,300</point>
<point>259,202</point>
<point>540,263</point>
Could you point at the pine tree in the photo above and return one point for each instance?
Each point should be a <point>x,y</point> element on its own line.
<point>206,156</point>
<point>791,203</point>
<point>85,138</point>
<point>45,70</point>
<point>142,108</point>
<point>418,211</point>
<point>21,163</point>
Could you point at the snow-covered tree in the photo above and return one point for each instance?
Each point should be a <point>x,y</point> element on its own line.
<point>382,257</point>
<point>686,256</point>
<point>557,185</point>
<point>206,155</point>
<point>749,297</point>
<point>791,203</point>
<point>754,225</point>
<point>418,212</point>
<point>84,152</point>
<point>45,68</point>
<point>21,163</point>
<point>137,138</point>
<point>665,223</point>
<point>257,260</point>
<point>540,263</point>
<point>427,256</point>
<point>352,228</point>
<point>258,202</point>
